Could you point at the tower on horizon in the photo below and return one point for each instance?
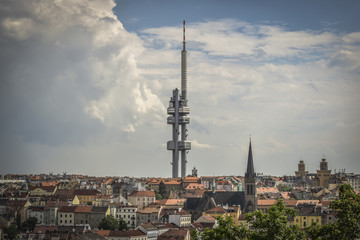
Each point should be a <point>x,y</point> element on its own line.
<point>178,112</point>
<point>250,184</point>
<point>323,174</point>
<point>301,169</point>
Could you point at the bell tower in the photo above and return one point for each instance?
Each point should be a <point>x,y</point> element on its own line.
<point>250,184</point>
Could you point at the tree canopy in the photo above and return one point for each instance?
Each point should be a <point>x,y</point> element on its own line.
<point>347,225</point>
<point>111,223</point>
<point>273,224</point>
<point>29,224</point>
<point>226,230</point>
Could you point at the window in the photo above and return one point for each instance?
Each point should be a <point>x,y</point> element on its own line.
<point>65,215</point>
<point>65,221</point>
<point>60,215</point>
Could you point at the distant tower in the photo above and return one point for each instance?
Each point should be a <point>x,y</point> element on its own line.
<point>194,172</point>
<point>301,169</point>
<point>323,174</point>
<point>179,118</point>
<point>250,185</point>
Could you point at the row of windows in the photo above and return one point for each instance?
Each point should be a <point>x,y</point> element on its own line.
<point>65,221</point>
<point>85,198</point>
<point>145,199</point>
<point>312,220</point>
<point>125,210</point>
<point>124,216</point>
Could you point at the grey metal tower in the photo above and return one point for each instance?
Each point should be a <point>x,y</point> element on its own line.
<point>178,112</point>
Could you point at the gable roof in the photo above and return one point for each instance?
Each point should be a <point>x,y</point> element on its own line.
<point>86,192</point>
<point>142,194</point>
<point>68,209</point>
<point>215,210</point>
<point>130,233</point>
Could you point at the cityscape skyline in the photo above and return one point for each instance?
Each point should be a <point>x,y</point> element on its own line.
<point>88,94</point>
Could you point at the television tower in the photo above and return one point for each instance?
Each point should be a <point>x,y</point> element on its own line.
<point>178,112</point>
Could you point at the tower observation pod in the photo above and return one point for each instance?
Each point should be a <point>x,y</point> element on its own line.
<point>178,116</point>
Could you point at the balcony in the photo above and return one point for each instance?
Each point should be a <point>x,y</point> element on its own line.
<point>184,145</point>
<point>184,110</point>
<point>171,120</point>
<point>170,145</point>
<point>184,120</point>
<point>171,110</point>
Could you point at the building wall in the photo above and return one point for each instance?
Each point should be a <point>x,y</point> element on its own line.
<point>354,182</point>
<point>148,217</point>
<point>84,199</point>
<point>180,220</point>
<point>306,221</point>
<point>141,201</point>
<point>127,213</point>
<point>81,218</point>
<point>66,219</point>
<point>38,214</point>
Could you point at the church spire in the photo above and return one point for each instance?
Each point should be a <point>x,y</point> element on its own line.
<point>250,172</point>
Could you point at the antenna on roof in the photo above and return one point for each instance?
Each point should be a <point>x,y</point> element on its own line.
<point>184,32</point>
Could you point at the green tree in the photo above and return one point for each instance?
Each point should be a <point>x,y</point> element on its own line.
<point>284,188</point>
<point>162,190</point>
<point>158,196</point>
<point>226,230</point>
<point>347,225</point>
<point>11,232</point>
<point>109,223</point>
<point>29,224</point>
<point>272,225</point>
<point>123,225</point>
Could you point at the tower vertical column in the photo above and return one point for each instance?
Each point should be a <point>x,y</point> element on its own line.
<point>250,184</point>
<point>179,115</point>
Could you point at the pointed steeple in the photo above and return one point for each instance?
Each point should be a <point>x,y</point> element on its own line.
<point>250,172</point>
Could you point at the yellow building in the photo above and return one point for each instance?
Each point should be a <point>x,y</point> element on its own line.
<point>307,214</point>
<point>234,212</point>
<point>306,221</point>
<point>86,196</point>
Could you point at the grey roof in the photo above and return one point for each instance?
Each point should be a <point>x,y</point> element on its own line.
<point>214,199</point>
<point>99,209</point>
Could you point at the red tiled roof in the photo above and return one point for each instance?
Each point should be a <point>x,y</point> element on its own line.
<point>83,209</point>
<point>216,210</point>
<point>69,209</point>
<point>86,192</point>
<point>172,182</point>
<point>44,229</point>
<point>130,233</point>
<point>46,184</point>
<point>173,234</point>
<point>103,233</point>
<point>181,212</point>
<point>142,194</point>
<point>266,202</point>
<point>45,188</point>
<point>108,181</point>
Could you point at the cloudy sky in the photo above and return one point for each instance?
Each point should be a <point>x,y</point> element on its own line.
<point>85,85</point>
